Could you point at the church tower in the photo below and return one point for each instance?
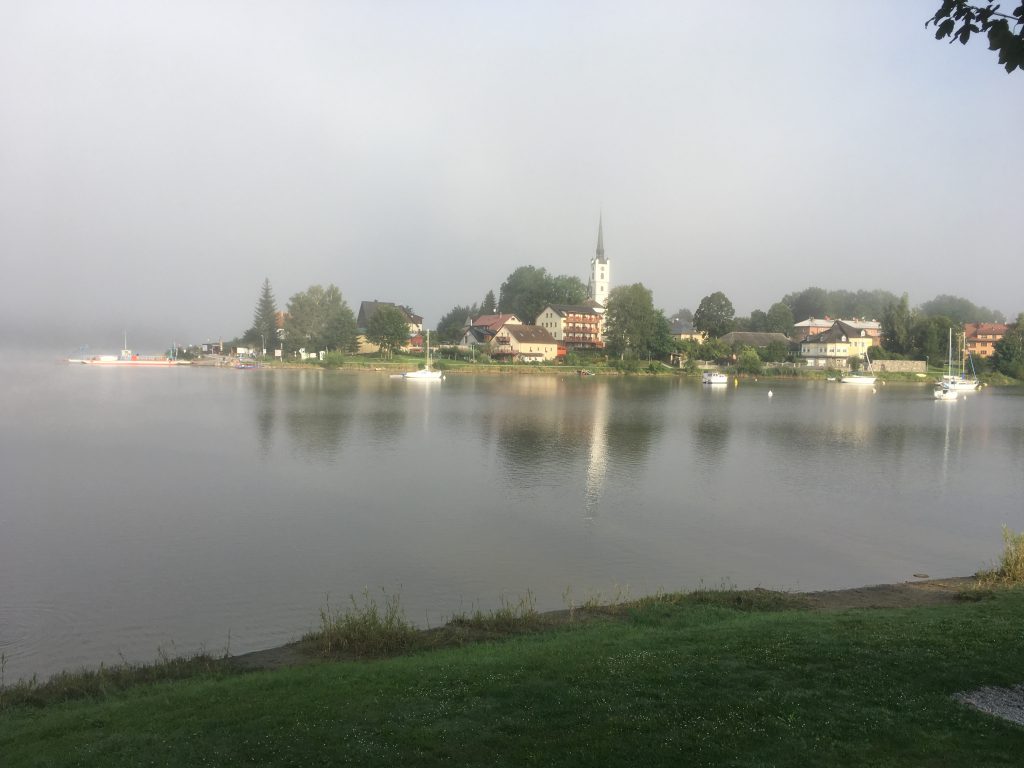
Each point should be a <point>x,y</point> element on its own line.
<point>600,269</point>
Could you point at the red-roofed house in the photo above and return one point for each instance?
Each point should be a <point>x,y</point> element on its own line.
<point>980,338</point>
<point>484,328</point>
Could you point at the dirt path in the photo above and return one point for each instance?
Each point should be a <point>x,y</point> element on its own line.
<point>905,595</point>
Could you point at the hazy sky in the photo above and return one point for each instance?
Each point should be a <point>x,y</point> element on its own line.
<point>159,159</point>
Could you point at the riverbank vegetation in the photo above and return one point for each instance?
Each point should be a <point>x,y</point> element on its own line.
<point>707,678</point>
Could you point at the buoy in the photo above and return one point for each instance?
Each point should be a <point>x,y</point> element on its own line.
<point>770,393</point>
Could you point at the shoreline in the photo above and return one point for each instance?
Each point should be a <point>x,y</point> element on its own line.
<point>297,653</point>
<point>900,595</point>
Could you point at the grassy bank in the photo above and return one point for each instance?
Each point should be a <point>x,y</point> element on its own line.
<point>753,678</point>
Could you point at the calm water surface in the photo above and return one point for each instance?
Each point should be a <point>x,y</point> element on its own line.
<point>181,509</point>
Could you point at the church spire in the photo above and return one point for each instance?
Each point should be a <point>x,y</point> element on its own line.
<point>600,269</point>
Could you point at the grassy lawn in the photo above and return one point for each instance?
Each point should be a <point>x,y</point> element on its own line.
<point>662,683</point>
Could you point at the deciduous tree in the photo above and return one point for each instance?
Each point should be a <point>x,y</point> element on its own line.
<point>319,319</point>
<point>960,310</point>
<point>388,329</point>
<point>1009,356</point>
<point>780,319</point>
<point>896,326</point>
<point>1005,31</point>
<point>715,315</point>
<point>450,326</point>
<point>633,326</point>
<point>528,289</point>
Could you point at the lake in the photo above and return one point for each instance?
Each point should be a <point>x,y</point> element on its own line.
<point>190,508</point>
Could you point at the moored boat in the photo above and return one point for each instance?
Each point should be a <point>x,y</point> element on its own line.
<point>128,358</point>
<point>713,377</point>
<point>426,373</point>
<point>955,382</point>
<point>863,378</point>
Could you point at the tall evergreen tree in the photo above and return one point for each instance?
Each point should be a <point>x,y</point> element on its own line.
<point>490,305</point>
<point>264,320</point>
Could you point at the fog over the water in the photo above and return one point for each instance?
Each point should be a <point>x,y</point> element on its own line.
<point>158,160</point>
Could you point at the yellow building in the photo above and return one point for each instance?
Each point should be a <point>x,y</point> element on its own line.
<point>834,347</point>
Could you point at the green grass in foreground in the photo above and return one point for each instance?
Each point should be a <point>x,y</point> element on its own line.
<point>669,681</point>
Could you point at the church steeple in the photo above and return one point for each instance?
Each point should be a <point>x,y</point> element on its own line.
<point>600,268</point>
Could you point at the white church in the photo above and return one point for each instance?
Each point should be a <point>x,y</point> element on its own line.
<point>581,326</point>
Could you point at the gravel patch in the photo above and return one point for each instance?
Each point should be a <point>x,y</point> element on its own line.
<point>1007,703</point>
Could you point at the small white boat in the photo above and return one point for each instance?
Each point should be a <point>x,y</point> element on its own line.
<point>713,377</point>
<point>426,373</point>
<point>861,378</point>
<point>864,380</point>
<point>946,395</point>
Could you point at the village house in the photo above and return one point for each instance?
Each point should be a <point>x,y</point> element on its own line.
<point>367,309</point>
<point>483,329</point>
<point>980,338</point>
<point>524,344</point>
<point>682,330</point>
<point>576,326</point>
<point>833,348</point>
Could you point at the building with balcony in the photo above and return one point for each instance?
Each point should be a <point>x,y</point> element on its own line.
<point>577,326</point>
<point>980,338</point>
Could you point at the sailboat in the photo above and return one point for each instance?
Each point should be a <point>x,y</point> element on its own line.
<point>956,379</point>
<point>426,373</point>
<point>954,384</point>
<point>864,378</point>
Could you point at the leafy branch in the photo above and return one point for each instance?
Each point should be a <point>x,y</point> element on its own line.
<point>1005,31</point>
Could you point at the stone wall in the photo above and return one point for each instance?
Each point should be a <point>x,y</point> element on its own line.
<point>899,366</point>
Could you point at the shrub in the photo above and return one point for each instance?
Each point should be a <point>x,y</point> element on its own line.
<point>364,628</point>
<point>1011,563</point>
<point>333,360</point>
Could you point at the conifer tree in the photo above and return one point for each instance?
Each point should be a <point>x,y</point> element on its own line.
<point>264,320</point>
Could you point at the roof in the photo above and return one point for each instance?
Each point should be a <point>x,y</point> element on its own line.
<point>481,335</point>
<point>368,309</point>
<point>493,322</point>
<point>754,338</point>
<point>973,330</point>
<point>839,330</point>
<point>530,334</point>
<point>813,322</point>
<point>573,309</point>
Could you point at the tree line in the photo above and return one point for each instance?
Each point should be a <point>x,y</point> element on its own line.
<point>319,318</point>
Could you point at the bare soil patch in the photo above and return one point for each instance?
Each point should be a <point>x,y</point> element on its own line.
<point>908,594</point>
